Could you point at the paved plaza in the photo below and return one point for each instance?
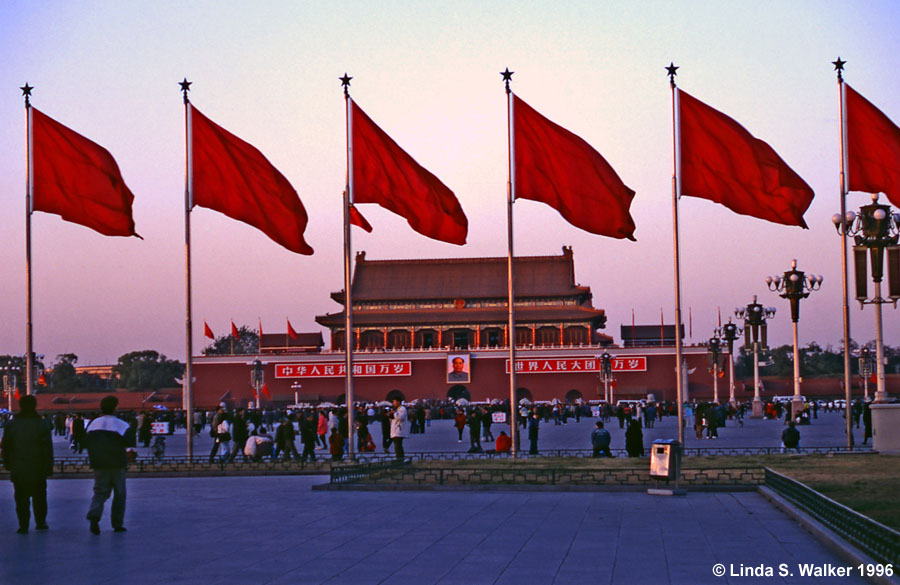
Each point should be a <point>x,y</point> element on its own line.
<point>825,431</point>
<point>276,530</point>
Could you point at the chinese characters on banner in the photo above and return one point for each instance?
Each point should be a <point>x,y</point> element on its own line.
<point>577,365</point>
<point>337,370</point>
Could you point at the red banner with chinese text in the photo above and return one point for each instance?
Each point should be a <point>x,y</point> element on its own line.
<point>338,369</point>
<point>577,365</point>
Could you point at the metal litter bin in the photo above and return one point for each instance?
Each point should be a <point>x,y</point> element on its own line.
<point>665,459</point>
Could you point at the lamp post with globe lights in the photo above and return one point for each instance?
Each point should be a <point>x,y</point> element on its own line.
<point>713,351</point>
<point>729,335</point>
<point>755,316</point>
<point>865,369</point>
<point>606,375</point>
<point>876,230</point>
<point>794,286</point>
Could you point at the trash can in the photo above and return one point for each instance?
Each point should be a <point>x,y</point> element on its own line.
<point>665,459</point>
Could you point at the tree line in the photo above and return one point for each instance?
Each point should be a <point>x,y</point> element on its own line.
<point>815,360</point>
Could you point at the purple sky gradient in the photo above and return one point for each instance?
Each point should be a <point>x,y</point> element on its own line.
<point>427,73</point>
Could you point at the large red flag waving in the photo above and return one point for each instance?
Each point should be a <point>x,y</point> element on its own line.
<point>78,179</point>
<point>722,162</point>
<point>873,148</point>
<point>233,177</point>
<point>558,168</point>
<point>385,174</point>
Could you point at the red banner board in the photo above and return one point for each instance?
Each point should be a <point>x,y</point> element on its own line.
<point>577,365</point>
<point>338,369</point>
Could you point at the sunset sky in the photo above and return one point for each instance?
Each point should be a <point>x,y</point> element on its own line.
<point>428,74</point>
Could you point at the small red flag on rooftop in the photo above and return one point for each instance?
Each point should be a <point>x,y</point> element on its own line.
<point>290,330</point>
<point>234,331</point>
<point>207,332</point>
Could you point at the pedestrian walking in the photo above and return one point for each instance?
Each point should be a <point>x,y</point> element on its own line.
<point>27,451</point>
<point>108,440</point>
<point>399,428</point>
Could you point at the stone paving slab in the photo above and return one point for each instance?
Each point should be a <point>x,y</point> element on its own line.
<point>276,530</point>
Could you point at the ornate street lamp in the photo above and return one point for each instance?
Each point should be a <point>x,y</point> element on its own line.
<point>257,378</point>
<point>793,286</point>
<point>729,335</point>
<point>606,375</point>
<point>713,351</point>
<point>10,382</point>
<point>876,230</point>
<point>755,316</point>
<point>866,367</point>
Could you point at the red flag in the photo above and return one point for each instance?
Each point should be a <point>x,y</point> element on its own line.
<point>234,331</point>
<point>265,390</point>
<point>385,174</point>
<point>873,148</point>
<point>290,330</point>
<point>78,179</point>
<point>357,219</point>
<point>558,168</point>
<point>233,177</point>
<point>260,329</point>
<point>17,394</point>
<point>42,381</point>
<point>207,332</point>
<point>724,163</point>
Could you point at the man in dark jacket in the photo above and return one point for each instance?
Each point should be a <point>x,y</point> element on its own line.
<point>27,450</point>
<point>108,438</point>
<point>239,435</point>
<point>600,440</point>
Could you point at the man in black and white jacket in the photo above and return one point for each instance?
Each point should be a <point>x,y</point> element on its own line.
<point>108,438</point>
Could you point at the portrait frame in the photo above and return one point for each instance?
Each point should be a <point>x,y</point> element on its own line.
<point>455,375</point>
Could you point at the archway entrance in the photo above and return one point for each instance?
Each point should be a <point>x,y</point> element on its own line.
<point>523,393</point>
<point>573,396</point>
<point>395,394</point>
<point>457,392</point>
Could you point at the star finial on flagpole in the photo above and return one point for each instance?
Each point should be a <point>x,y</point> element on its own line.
<point>839,67</point>
<point>185,88</point>
<point>672,69</point>
<point>507,76</point>
<point>345,83</point>
<point>26,91</point>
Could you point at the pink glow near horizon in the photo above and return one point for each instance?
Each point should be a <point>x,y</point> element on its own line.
<point>428,75</point>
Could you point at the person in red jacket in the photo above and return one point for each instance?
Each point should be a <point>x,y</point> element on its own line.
<point>460,423</point>
<point>503,443</point>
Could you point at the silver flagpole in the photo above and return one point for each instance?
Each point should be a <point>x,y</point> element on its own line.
<point>839,67</point>
<point>676,160</point>
<point>29,207</point>
<point>510,199</point>
<point>348,297</point>
<point>187,398</point>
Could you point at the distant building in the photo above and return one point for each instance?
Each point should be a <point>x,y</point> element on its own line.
<point>413,319</point>
<point>461,304</point>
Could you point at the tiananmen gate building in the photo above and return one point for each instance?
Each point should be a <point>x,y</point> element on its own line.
<point>438,328</point>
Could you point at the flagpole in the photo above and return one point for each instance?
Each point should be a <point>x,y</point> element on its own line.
<point>676,159</point>
<point>839,67</point>
<point>29,206</point>
<point>348,297</point>
<point>187,399</point>
<point>510,199</point>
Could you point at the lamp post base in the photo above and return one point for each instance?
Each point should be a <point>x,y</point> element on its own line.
<point>797,406</point>
<point>757,411</point>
